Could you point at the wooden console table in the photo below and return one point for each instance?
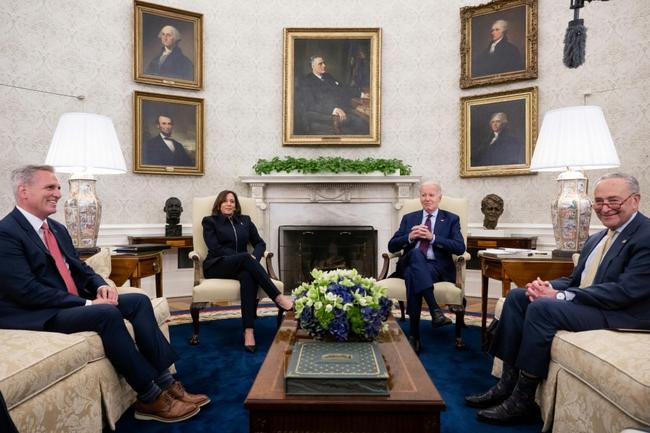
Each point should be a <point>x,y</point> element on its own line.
<point>134,267</point>
<point>414,403</point>
<point>476,243</point>
<point>519,270</point>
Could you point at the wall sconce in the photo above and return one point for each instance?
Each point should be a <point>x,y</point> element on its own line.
<point>571,140</point>
<point>84,144</point>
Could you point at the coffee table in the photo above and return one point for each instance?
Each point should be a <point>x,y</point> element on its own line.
<point>414,404</point>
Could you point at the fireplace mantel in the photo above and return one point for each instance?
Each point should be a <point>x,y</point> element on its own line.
<point>300,200</point>
<point>319,188</point>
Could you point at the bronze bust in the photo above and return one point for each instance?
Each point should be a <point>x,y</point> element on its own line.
<point>173,209</point>
<point>492,208</point>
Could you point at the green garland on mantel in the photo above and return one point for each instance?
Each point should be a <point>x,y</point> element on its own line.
<point>331,164</point>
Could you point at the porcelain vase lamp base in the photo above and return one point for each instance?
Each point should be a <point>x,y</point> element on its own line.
<point>571,213</point>
<point>83,212</point>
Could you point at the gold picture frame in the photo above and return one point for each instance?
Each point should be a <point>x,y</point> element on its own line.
<point>168,136</point>
<point>168,46</point>
<point>498,133</point>
<point>498,42</point>
<point>332,82</point>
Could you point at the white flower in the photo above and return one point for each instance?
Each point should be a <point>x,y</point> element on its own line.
<point>318,305</point>
<point>329,308</point>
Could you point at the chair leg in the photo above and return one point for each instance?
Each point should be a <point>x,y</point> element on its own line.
<point>195,309</point>
<point>459,310</point>
<point>402,311</point>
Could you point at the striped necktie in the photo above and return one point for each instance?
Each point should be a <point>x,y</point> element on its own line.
<point>424,244</point>
<point>598,254</point>
<point>55,251</point>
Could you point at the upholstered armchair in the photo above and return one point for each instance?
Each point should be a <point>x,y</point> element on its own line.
<point>450,294</point>
<point>207,291</point>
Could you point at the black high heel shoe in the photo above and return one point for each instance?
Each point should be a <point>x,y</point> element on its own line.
<point>248,347</point>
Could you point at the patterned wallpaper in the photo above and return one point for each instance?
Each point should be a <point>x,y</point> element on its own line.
<point>85,47</point>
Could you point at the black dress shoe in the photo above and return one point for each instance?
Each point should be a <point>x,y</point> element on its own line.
<point>415,344</point>
<point>511,411</point>
<point>492,397</point>
<point>439,319</point>
<point>250,348</point>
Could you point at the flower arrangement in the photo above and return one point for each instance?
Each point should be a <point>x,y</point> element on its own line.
<point>342,304</point>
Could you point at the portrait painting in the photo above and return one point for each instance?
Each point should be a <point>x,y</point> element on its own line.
<point>168,46</point>
<point>168,135</point>
<point>498,42</point>
<point>498,132</point>
<point>331,87</point>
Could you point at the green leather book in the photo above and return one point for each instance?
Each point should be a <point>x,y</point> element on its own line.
<point>327,368</point>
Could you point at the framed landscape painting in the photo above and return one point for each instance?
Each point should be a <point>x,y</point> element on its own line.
<point>168,136</point>
<point>168,46</point>
<point>498,132</point>
<point>498,42</point>
<point>332,82</point>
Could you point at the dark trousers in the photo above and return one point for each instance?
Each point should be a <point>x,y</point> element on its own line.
<point>526,329</point>
<point>139,365</point>
<point>6,424</point>
<point>419,276</point>
<point>251,275</point>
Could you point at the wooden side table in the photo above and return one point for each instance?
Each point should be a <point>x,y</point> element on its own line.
<point>520,270</point>
<point>134,267</point>
<point>172,241</point>
<point>476,243</point>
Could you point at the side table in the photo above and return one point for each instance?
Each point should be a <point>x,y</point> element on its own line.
<point>477,243</point>
<point>184,244</point>
<point>136,266</point>
<point>521,271</point>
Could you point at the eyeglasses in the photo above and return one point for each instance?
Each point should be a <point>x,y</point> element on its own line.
<point>613,204</point>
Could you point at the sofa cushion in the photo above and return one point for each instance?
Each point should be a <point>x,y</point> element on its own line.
<point>614,364</point>
<point>33,361</point>
<point>101,264</point>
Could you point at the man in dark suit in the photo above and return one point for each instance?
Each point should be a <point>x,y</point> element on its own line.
<point>46,287</point>
<point>501,56</point>
<point>171,62</point>
<point>607,289</point>
<point>501,148</point>
<point>327,102</point>
<point>162,149</point>
<point>429,238</point>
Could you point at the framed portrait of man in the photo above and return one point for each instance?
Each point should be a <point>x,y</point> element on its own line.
<point>331,86</point>
<point>498,42</point>
<point>498,132</point>
<point>168,134</point>
<point>168,46</point>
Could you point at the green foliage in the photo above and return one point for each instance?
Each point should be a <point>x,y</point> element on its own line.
<point>331,164</point>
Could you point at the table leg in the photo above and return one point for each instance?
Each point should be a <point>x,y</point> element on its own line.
<point>505,286</point>
<point>484,296</point>
<point>135,282</point>
<point>159,285</point>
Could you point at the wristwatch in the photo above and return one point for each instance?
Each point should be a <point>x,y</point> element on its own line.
<point>561,296</point>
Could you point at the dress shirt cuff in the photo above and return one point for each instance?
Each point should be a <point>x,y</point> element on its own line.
<point>569,295</point>
<point>88,302</point>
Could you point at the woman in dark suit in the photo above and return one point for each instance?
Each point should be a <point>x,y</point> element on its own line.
<point>227,234</point>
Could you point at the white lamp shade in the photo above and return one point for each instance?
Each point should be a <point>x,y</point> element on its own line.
<point>574,138</point>
<point>85,143</point>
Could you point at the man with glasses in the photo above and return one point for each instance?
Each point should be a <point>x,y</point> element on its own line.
<point>609,288</point>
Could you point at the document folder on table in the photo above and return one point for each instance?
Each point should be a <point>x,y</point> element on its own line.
<point>329,368</point>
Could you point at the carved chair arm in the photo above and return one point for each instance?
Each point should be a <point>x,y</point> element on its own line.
<point>387,258</point>
<point>197,263</point>
<point>268,255</point>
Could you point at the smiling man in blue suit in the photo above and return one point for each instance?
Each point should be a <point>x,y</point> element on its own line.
<point>609,288</point>
<point>46,287</point>
<point>428,237</point>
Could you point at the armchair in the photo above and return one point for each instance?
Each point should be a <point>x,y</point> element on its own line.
<point>446,293</point>
<point>210,290</point>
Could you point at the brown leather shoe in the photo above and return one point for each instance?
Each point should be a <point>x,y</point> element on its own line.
<point>165,409</point>
<point>177,390</point>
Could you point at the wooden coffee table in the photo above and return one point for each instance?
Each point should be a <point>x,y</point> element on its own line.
<point>414,404</point>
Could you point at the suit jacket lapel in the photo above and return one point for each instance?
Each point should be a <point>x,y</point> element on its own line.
<point>618,245</point>
<point>442,221</point>
<point>29,230</point>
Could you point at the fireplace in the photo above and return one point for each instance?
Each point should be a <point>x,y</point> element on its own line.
<point>303,248</point>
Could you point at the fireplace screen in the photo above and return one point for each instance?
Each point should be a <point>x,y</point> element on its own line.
<point>303,248</point>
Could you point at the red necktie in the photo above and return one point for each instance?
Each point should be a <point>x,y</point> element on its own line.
<point>53,246</point>
<point>424,244</point>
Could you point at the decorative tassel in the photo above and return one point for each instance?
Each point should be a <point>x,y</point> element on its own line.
<point>575,41</point>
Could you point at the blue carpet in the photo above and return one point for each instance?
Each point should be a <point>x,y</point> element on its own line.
<point>220,367</point>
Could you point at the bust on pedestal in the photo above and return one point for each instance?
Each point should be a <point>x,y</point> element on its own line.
<point>173,209</point>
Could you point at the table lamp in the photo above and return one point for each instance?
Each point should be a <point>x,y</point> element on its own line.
<point>84,144</point>
<point>571,140</point>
